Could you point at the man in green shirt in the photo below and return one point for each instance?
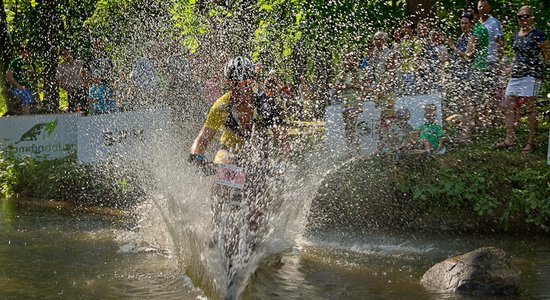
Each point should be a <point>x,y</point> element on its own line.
<point>479,61</point>
<point>20,74</point>
<point>479,66</point>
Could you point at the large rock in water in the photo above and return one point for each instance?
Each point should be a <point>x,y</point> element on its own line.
<point>485,271</point>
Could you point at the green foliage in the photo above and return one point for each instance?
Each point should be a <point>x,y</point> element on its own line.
<point>24,22</point>
<point>7,174</point>
<point>128,27</point>
<point>512,188</point>
<point>531,196</point>
<point>64,179</point>
<point>190,22</point>
<point>459,191</point>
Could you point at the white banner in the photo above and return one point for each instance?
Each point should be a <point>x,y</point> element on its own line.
<point>39,136</point>
<point>367,127</point>
<point>416,105</point>
<point>335,132</point>
<point>129,135</point>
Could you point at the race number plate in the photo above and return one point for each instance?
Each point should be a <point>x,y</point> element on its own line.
<point>230,175</point>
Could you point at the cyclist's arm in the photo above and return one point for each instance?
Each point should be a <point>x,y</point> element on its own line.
<point>206,135</point>
<point>214,121</point>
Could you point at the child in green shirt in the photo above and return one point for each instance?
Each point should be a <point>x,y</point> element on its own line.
<point>430,133</point>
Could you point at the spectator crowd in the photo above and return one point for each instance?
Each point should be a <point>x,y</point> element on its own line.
<point>479,88</point>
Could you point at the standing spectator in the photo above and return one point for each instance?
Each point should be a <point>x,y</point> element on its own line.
<point>476,54</point>
<point>122,91</point>
<point>494,54</point>
<point>379,57</point>
<point>305,95</point>
<point>462,74</point>
<point>20,75</point>
<point>68,77</point>
<point>97,72</point>
<point>392,74</point>
<point>438,55</point>
<point>529,44</point>
<point>479,58</point>
<point>479,66</point>
<point>365,61</point>
<point>145,84</point>
<point>424,58</point>
<point>350,87</point>
<point>98,67</point>
<point>494,29</point>
<point>407,52</point>
<point>101,98</point>
<point>271,93</point>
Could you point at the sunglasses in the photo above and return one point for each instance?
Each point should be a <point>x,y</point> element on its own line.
<point>524,17</point>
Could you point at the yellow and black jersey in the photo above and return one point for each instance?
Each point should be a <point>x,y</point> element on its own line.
<point>222,116</point>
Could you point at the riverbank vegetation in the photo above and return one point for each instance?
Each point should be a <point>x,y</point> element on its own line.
<point>64,179</point>
<point>472,188</point>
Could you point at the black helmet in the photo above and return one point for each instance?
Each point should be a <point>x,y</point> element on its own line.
<point>239,68</point>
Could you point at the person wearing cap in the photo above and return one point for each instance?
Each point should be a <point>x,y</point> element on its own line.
<point>241,116</point>
<point>20,75</point>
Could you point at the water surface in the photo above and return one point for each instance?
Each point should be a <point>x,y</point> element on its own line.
<point>54,252</point>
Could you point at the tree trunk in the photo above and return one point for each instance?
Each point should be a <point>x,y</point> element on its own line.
<point>49,23</point>
<point>5,57</point>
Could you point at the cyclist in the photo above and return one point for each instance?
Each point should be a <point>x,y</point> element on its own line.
<point>245,119</point>
<point>241,115</point>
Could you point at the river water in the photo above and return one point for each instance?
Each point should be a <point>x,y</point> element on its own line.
<point>50,251</point>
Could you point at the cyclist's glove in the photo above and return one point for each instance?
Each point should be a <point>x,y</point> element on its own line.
<point>197,159</point>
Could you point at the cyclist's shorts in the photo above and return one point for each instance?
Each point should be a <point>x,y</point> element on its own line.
<point>25,96</point>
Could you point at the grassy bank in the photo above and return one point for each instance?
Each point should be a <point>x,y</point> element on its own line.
<point>65,180</point>
<point>472,188</point>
